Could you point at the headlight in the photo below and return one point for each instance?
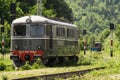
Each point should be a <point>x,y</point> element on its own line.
<point>28,20</point>
<point>16,47</point>
<point>39,47</point>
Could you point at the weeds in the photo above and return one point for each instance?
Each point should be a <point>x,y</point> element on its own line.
<point>2,67</point>
<point>26,67</point>
<point>84,60</point>
<point>4,77</point>
<point>38,78</point>
<point>38,64</point>
<point>59,79</point>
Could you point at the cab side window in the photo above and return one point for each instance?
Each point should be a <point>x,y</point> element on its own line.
<point>49,30</point>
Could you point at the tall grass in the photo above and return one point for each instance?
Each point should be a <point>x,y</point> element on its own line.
<point>5,59</point>
<point>5,62</point>
<point>4,77</point>
<point>84,60</point>
<point>36,65</point>
<point>2,66</point>
<point>111,64</point>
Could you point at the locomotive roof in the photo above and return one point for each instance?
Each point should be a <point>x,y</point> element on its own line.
<point>39,19</point>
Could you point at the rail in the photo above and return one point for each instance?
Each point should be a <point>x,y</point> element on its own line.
<point>60,75</point>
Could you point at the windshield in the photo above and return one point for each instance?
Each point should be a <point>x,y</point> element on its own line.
<point>19,30</point>
<point>37,30</point>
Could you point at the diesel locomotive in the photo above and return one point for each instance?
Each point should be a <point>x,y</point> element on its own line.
<point>34,37</point>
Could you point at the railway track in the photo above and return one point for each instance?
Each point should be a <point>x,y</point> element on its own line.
<point>60,75</point>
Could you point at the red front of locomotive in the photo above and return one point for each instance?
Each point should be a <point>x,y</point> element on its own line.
<point>26,55</point>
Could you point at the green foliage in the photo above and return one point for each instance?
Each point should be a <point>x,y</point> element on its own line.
<point>26,66</point>
<point>49,13</point>
<point>4,77</point>
<point>38,78</point>
<point>25,5</point>
<point>111,67</point>
<point>58,79</point>
<point>104,34</point>
<point>98,15</point>
<point>117,32</point>
<point>84,60</point>
<point>38,64</point>
<point>2,66</point>
<point>61,9</point>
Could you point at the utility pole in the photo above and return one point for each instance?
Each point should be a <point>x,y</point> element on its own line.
<point>13,11</point>
<point>2,33</point>
<point>111,39</point>
<point>84,41</point>
<point>39,7</point>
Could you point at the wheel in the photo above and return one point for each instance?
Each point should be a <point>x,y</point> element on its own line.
<point>45,61</point>
<point>61,60</point>
<point>48,61</point>
<point>18,63</point>
<point>76,58</point>
<point>73,58</point>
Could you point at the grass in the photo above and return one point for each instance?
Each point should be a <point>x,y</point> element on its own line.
<point>37,72</point>
<point>5,59</point>
<point>38,69</point>
<point>6,62</point>
<point>112,65</point>
<point>90,60</point>
<point>4,77</point>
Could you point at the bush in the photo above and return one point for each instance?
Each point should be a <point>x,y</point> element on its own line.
<point>10,68</point>
<point>84,60</point>
<point>2,67</point>
<point>35,66</point>
<point>26,66</point>
<point>38,64</point>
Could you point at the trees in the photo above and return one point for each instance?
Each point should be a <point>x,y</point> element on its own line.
<point>99,14</point>
<point>117,32</point>
<point>4,9</point>
<point>50,8</point>
<point>25,5</point>
<point>60,8</point>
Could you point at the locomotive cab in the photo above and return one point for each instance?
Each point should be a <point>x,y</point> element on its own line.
<point>26,42</point>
